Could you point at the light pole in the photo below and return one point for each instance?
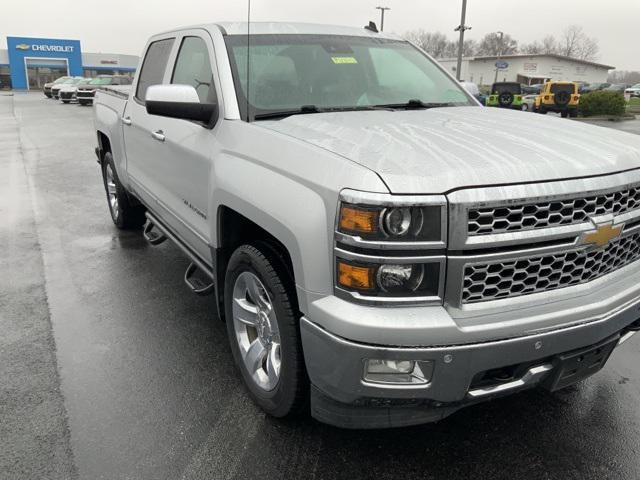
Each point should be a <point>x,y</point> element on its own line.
<point>461,28</point>
<point>500,37</point>
<point>382,10</point>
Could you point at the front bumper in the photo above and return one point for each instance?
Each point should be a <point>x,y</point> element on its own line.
<point>67,96</point>
<point>341,397</point>
<point>85,96</point>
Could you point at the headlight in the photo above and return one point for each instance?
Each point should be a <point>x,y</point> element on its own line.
<point>385,280</point>
<point>392,223</point>
<point>390,249</point>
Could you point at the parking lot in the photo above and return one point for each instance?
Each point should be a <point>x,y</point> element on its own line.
<point>111,369</point>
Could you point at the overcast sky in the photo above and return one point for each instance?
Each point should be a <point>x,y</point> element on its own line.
<point>122,26</point>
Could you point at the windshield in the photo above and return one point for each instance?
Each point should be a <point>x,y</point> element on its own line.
<point>288,72</point>
<point>101,81</point>
<point>61,80</point>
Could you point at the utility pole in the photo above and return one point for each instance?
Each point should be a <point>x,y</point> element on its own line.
<point>382,10</point>
<point>461,28</point>
<point>500,37</point>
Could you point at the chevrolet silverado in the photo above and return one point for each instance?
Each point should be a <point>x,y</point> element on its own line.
<point>383,250</point>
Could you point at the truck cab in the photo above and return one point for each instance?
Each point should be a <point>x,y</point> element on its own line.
<point>382,250</point>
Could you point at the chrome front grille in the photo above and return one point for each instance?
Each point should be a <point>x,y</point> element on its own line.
<point>506,279</point>
<point>554,237</point>
<point>532,216</point>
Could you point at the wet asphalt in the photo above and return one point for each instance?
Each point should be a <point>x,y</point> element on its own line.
<point>111,369</point>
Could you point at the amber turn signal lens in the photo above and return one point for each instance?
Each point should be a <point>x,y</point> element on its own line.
<point>355,278</point>
<point>354,219</point>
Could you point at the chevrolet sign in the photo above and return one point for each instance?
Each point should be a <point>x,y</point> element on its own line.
<point>52,48</point>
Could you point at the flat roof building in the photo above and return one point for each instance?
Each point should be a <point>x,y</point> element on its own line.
<point>528,69</point>
<point>29,63</point>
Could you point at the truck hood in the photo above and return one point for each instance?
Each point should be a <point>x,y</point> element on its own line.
<point>443,149</point>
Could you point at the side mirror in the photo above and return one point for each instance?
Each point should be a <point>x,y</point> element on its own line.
<point>178,101</point>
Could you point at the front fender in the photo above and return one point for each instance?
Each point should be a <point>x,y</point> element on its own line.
<point>290,189</point>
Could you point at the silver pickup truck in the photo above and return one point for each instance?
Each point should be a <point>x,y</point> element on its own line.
<point>380,246</point>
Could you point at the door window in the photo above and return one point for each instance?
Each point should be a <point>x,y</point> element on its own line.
<point>154,66</point>
<point>194,68</point>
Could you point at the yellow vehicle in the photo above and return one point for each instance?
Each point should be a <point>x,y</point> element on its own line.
<point>560,97</point>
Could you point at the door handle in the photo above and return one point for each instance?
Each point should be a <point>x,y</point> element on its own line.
<point>158,135</point>
<point>126,120</point>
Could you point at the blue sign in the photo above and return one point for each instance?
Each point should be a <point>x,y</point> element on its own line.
<point>36,51</point>
<point>501,65</point>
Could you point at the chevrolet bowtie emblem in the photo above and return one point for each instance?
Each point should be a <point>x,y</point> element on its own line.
<point>23,46</point>
<point>603,236</point>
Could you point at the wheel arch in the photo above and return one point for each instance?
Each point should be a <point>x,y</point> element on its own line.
<point>234,229</point>
<point>104,145</point>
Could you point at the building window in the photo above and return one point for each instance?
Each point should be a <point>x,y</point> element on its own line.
<point>5,78</point>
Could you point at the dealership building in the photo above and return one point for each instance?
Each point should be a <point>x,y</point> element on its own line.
<point>29,63</point>
<point>528,69</point>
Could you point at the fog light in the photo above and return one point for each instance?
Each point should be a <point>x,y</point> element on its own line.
<point>398,371</point>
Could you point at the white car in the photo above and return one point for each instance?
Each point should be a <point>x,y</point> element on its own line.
<point>529,103</point>
<point>55,89</point>
<point>472,88</point>
<point>67,92</point>
<point>634,91</point>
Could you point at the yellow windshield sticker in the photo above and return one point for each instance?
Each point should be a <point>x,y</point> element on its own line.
<point>344,60</point>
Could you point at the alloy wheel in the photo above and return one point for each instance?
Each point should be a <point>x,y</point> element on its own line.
<point>256,331</point>
<point>112,193</point>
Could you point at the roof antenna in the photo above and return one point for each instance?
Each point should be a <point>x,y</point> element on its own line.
<point>371,27</point>
<point>248,57</point>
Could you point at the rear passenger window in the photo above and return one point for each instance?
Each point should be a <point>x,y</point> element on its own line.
<point>194,68</point>
<point>154,66</point>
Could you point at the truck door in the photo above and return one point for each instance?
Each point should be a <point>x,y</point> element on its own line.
<point>186,149</point>
<point>142,148</point>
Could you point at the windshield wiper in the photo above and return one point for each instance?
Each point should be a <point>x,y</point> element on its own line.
<point>314,109</point>
<point>414,104</point>
<point>287,113</point>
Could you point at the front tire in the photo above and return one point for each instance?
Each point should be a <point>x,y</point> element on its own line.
<point>65,101</point>
<point>124,214</point>
<point>263,328</point>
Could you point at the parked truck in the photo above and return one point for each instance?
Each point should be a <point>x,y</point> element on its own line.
<point>380,247</point>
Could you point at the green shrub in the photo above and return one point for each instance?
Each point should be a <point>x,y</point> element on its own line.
<point>602,103</point>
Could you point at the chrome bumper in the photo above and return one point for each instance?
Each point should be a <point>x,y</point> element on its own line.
<point>341,397</point>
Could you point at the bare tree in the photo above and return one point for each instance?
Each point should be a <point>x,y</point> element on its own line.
<point>434,44</point>
<point>623,76</point>
<point>491,45</point>
<point>576,44</point>
<point>573,43</point>
<point>438,45</point>
<point>532,48</point>
<point>470,47</point>
<point>548,45</point>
